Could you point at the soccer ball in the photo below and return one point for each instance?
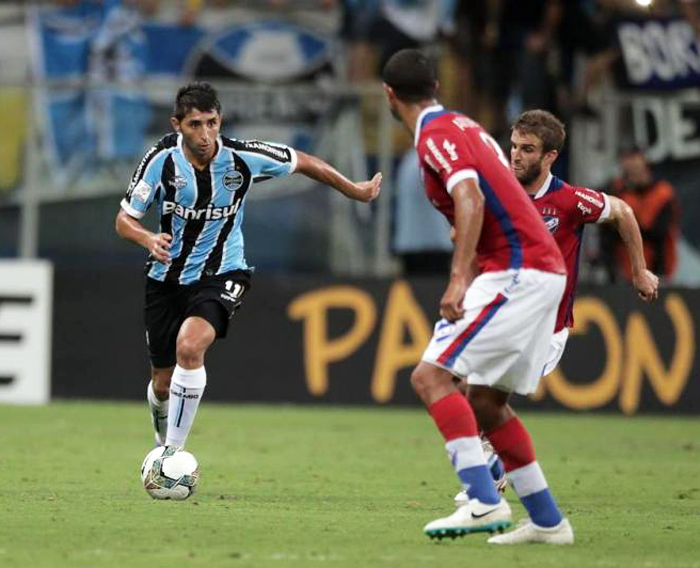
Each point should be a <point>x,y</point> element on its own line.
<point>169,473</point>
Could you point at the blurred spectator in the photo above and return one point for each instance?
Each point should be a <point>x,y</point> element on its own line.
<point>410,23</point>
<point>190,12</point>
<point>388,26</point>
<point>471,47</point>
<point>655,206</point>
<point>358,17</point>
<point>421,233</point>
<point>691,10</point>
<point>520,35</point>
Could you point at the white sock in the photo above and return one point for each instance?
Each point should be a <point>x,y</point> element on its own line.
<point>186,389</point>
<point>159,413</point>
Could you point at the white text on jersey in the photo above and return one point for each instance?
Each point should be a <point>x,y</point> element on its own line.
<point>208,213</point>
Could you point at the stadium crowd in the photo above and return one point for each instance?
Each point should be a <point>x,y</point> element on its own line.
<point>496,58</point>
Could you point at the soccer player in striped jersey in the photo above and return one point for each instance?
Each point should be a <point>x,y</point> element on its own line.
<point>197,271</point>
<point>499,308</point>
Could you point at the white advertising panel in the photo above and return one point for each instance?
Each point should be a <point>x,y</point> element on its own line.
<point>26,292</point>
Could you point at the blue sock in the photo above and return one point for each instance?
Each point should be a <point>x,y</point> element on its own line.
<point>542,508</point>
<point>478,484</point>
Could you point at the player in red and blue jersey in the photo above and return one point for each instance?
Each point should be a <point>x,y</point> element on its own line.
<point>536,140</point>
<point>498,311</point>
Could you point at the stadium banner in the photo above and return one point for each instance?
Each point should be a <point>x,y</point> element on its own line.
<point>308,339</point>
<point>658,54</point>
<point>92,60</point>
<point>654,105</point>
<point>26,289</point>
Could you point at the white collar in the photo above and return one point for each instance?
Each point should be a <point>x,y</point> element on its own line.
<point>545,186</point>
<point>421,116</point>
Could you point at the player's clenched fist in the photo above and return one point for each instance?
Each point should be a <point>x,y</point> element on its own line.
<point>159,246</point>
<point>647,285</point>
<point>451,303</point>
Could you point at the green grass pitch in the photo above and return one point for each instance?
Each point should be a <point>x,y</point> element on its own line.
<point>293,486</point>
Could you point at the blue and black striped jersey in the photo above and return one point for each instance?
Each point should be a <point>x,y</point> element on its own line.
<point>202,210</point>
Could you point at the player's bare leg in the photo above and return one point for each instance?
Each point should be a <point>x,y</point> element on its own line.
<point>157,395</point>
<point>485,511</point>
<point>513,444</point>
<point>188,379</point>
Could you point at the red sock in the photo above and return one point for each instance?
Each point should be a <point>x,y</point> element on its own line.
<point>513,444</point>
<point>454,417</point>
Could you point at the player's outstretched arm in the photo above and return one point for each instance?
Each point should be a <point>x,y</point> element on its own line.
<point>469,217</point>
<point>317,169</point>
<point>157,244</point>
<point>621,215</point>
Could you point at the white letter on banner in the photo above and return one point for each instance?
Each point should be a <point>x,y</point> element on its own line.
<point>644,109</point>
<point>658,52</point>
<point>684,43</point>
<point>684,133</point>
<point>636,61</point>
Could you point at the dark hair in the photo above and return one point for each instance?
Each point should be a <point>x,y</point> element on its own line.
<point>411,74</point>
<point>547,127</point>
<point>199,95</point>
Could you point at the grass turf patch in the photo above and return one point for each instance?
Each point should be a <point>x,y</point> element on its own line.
<point>327,486</point>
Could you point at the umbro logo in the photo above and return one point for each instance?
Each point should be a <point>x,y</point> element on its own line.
<point>178,182</point>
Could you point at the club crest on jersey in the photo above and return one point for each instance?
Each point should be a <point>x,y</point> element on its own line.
<point>178,182</point>
<point>233,179</point>
<point>551,222</point>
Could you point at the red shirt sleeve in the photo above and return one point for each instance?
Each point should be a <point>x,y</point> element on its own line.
<point>588,206</point>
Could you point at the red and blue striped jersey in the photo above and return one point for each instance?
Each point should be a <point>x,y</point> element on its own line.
<point>451,148</point>
<point>565,210</point>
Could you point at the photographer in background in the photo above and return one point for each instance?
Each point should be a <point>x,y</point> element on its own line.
<point>656,209</point>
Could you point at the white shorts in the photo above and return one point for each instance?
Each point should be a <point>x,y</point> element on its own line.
<point>557,344</point>
<point>503,340</point>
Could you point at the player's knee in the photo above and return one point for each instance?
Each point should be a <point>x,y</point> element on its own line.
<point>189,351</point>
<point>427,382</point>
<point>420,382</point>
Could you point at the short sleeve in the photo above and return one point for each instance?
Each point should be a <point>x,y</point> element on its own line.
<point>449,156</point>
<point>266,159</point>
<point>590,206</point>
<point>144,183</point>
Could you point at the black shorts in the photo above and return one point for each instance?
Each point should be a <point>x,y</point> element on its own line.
<point>168,305</point>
